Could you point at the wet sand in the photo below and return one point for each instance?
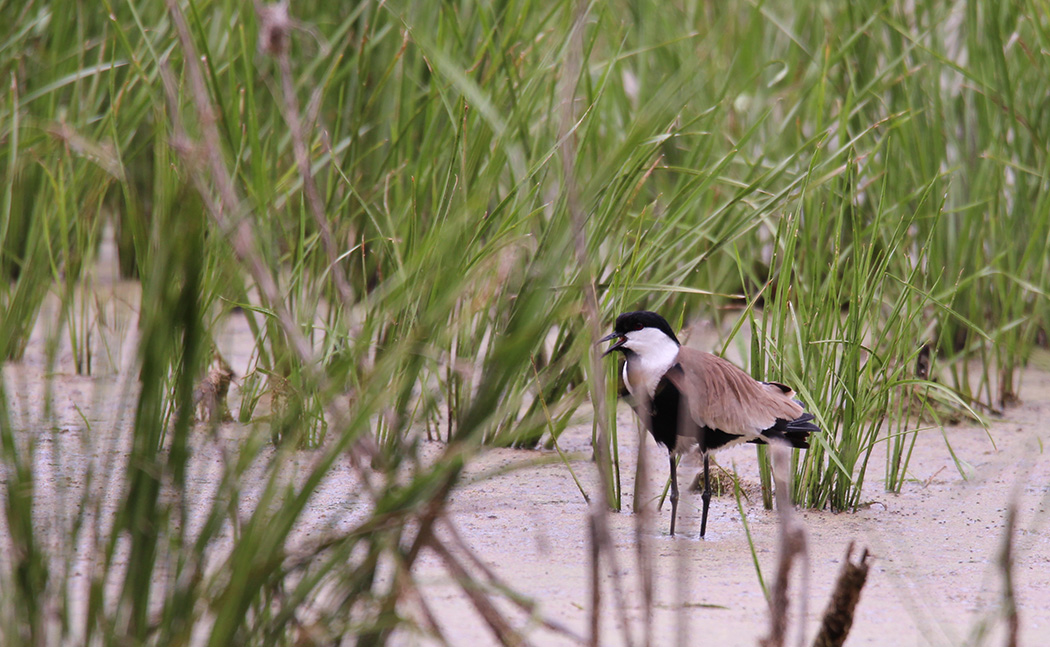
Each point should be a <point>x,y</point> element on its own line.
<point>933,581</point>
<point>934,578</point>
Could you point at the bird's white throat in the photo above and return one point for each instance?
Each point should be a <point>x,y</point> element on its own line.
<point>653,352</point>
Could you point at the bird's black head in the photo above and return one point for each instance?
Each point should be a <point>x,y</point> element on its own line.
<point>630,322</point>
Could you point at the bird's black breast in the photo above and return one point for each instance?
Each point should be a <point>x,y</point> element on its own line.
<point>662,417</point>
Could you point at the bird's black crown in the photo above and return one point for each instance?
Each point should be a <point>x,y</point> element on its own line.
<point>630,321</point>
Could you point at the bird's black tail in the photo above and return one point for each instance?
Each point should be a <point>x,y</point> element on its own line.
<point>796,432</point>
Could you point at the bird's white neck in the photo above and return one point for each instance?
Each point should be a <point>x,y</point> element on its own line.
<point>652,353</point>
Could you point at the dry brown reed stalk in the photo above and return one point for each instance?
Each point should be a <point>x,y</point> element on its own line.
<point>682,569</point>
<point>232,217</point>
<point>432,511</point>
<point>239,231</point>
<point>505,634</point>
<point>596,583</point>
<point>216,187</point>
<point>838,617</point>
<point>275,26</point>
<point>490,581</point>
<point>238,228</point>
<point>229,212</point>
<point>601,543</point>
<point>1006,566</point>
<point>792,547</point>
<point>642,528</point>
<point>524,604</point>
<point>409,591</point>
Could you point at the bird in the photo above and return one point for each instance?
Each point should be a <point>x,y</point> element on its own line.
<point>689,398</point>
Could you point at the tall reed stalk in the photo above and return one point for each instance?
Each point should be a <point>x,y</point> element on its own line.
<point>382,191</point>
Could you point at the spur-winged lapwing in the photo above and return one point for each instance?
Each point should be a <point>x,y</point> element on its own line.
<point>689,398</point>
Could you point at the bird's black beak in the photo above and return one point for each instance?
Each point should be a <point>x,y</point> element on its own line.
<point>620,341</point>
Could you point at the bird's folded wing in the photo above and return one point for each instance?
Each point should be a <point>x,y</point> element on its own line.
<point>721,396</point>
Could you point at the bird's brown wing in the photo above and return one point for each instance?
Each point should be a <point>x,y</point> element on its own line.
<point>721,396</point>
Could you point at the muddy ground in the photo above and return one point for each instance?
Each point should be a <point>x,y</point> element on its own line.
<point>934,579</point>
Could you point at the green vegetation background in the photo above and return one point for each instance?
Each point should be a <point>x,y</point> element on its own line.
<point>434,206</point>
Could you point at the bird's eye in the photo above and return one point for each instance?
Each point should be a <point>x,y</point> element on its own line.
<point>637,326</point>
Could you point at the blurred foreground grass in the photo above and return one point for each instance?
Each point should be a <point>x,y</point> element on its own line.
<point>393,193</point>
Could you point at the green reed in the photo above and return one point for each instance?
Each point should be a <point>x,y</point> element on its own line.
<point>867,188</point>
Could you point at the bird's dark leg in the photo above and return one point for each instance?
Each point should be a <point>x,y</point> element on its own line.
<point>706,496</point>
<point>674,491</point>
